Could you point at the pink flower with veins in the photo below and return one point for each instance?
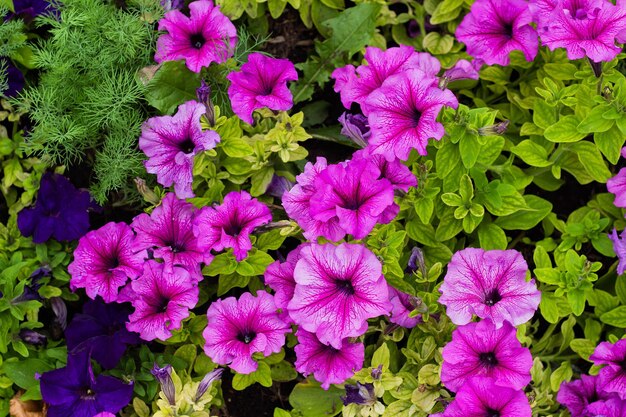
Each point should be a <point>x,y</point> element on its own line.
<point>481,397</point>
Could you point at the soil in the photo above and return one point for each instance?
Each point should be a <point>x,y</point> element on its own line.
<point>289,37</point>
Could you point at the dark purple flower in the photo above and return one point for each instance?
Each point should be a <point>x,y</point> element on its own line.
<point>60,311</point>
<point>101,329</point>
<point>74,391</point>
<point>355,127</point>
<point>203,94</point>
<point>61,211</point>
<point>361,394</point>
<point>206,382</point>
<point>31,291</point>
<point>279,186</point>
<point>413,29</point>
<point>29,9</point>
<point>15,79</point>
<point>172,4</point>
<point>32,337</point>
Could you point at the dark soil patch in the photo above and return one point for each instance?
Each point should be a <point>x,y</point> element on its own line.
<point>289,37</point>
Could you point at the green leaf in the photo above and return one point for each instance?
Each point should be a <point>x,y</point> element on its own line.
<point>565,130</point>
<point>313,401</point>
<point>527,218</point>
<point>448,226</point>
<point>594,122</point>
<point>591,158</point>
<point>583,347</point>
<point>283,371</point>
<point>562,373</point>
<point>438,44</point>
<point>620,288</point>
<point>22,373</point>
<point>235,147</point>
<point>610,143</point>
<point>615,317</point>
<point>224,263</point>
<point>227,282</point>
<point>381,357</point>
<point>532,153</point>
<point>544,115</point>
<point>172,85</point>
<point>491,236</point>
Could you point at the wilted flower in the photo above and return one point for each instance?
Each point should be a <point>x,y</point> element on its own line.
<point>496,129</point>
<point>612,377</point>
<point>203,94</point>
<point>355,127</point>
<point>279,186</point>
<point>481,397</point>
<point>32,337</point>
<point>164,376</point>
<point>360,394</point>
<point>462,70</point>
<point>206,382</point>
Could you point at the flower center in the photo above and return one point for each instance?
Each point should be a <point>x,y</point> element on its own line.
<point>246,337</point>
<point>87,394</point>
<point>344,286</point>
<point>416,116</point>
<point>187,146</point>
<point>622,364</point>
<point>176,247</point>
<point>197,40</point>
<point>490,412</point>
<point>507,29</point>
<point>114,262</point>
<point>492,297</point>
<point>488,359</point>
<point>233,229</point>
<point>162,304</point>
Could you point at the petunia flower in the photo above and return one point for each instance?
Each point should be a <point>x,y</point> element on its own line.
<point>491,284</point>
<point>74,391</point>
<point>229,225</point>
<point>403,112</point>
<point>204,37</point>
<point>619,247</point>
<point>463,70</point>
<point>356,84</point>
<point>613,407</point>
<point>104,261</point>
<point>338,288</point>
<point>401,306</point>
<point>494,28</point>
<point>279,276</point>
<point>353,193</point>
<point>578,395</point>
<point>617,186</point>
<point>162,300</point>
<point>585,28</point>
<point>29,9</point>
<point>327,364</point>
<point>355,127</point>
<point>238,328</point>
<point>15,78</point>
<point>481,397</point>
<point>612,377</point>
<point>101,329</point>
<point>261,82</point>
<point>168,234</point>
<point>164,376</point>
<point>480,349</point>
<point>398,174</point>
<point>172,142</point>
<point>297,204</point>
<point>61,211</point>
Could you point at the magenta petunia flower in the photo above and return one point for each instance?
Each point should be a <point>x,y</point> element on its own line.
<point>613,407</point>
<point>229,225</point>
<point>104,261</point>
<point>611,378</point>
<point>402,304</point>
<point>491,284</point>
<point>494,28</point>
<point>619,247</point>
<point>617,186</point>
<point>398,174</point>
<point>239,328</point>
<point>261,82</point>
<point>327,364</point>
<point>356,84</point>
<point>279,276</point>
<point>479,349</point>
<point>172,142</point>
<point>353,193</point>
<point>585,28</point>
<point>297,204</point>
<point>206,36</point>
<point>337,289</point>
<point>168,233</point>
<point>578,395</point>
<point>162,300</point>
<point>481,397</point>
<point>403,114</point>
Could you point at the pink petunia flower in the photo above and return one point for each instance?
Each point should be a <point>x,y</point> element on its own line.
<point>619,247</point>
<point>613,407</point>
<point>261,82</point>
<point>403,114</point>
<point>585,28</point>
<point>206,36</point>
<point>578,395</point>
<point>356,84</point>
<point>229,225</point>
<point>168,233</point>
<point>611,378</point>
<point>104,261</point>
<point>337,289</point>
<point>494,28</point>
<point>327,364</point>
<point>398,174</point>
<point>401,307</point>
<point>479,349</point>
<point>617,186</point>
<point>297,204</point>
<point>239,328</point>
<point>172,142</point>
<point>491,284</point>
<point>162,300</point>
<point>481,397</point>
<point>353,193</point>
<point>279,277</point>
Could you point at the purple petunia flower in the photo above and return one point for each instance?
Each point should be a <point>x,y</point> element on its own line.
<point>162,300</point>
<point>29,9</point>
<point>164,376</point>
<point>229,225</point>
<point>585,28</point>
<point>206,36</point>
<point>398,174</point>
<point>61,211</point>
<point>612,377</point>
<point>104,261</point>
<point>327,364</point>
<point>613,407</point>
<point>15,78</point>
<point>297,204</point>
<point>494,28</point>
<point>491,284</point>
<point>261,82</point>
<point>355,127</point>
<point>353,193</point>
<point>402,304</point>
<point>361,394</point>
<point>619,247</point>
<point>337,289</point>
<point>403,114</point>
<point>480,349</point>
<point>356,84</point>
<point>278,186</point>
<point>73,391</point>
<point>101,329</point>
<point>168,234</point>
<point>279,277</point>
<point>172,142</point>
<point>481,397</point>
<point>578,395</point>
<point>239,328</point>
<point>463,70</point>
<point>617,186</point>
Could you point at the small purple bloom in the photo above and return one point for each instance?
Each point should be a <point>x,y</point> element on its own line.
<point>619,247</point>
<point>578,395</point>
<point>481,397</point>
<point>61,211</point>
<point>402,304</point>
<point>207,381</point>
<point>416,261</point>
<point>355,127</point>
<point>279,186</point>
<point>74,391</point>
<point>203,93</point>
<point>32,337</point>
<point>164,376</point>
<point>361,394</point>
<point>617,186</point>
<point>462,70</point>
<point>612,377</point>
<point>261,82</point>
